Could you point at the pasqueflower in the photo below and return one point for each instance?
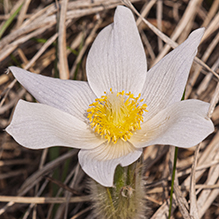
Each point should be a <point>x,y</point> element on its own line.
<point>120,110</point>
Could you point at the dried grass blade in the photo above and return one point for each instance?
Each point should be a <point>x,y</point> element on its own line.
<point>43,200</point>
<point>193,202</point>
<point>62,55</point>
<point>189,12</point>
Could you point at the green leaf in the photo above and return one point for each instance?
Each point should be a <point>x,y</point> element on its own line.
<point>9,21</point>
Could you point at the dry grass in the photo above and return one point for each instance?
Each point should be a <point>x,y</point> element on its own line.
<point>46,36</point>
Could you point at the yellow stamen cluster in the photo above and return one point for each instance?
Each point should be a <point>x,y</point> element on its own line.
<point>116,116</point>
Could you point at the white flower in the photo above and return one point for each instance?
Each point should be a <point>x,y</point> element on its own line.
<point>107,117</point>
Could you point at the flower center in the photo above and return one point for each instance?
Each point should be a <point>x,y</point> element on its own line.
<point>116,115</point>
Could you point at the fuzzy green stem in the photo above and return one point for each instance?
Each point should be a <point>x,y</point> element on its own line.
<point>172,182</point>
<point>110,198</point>
<point>125,200</point>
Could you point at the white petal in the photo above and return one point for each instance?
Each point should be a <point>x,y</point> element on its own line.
<point>103,170</point>
<point>117,59</point>
<point>70,96</point>
<point>110,151</point>
<point>183,124</point>
<point>36,126</point>
<point>165,82</point>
